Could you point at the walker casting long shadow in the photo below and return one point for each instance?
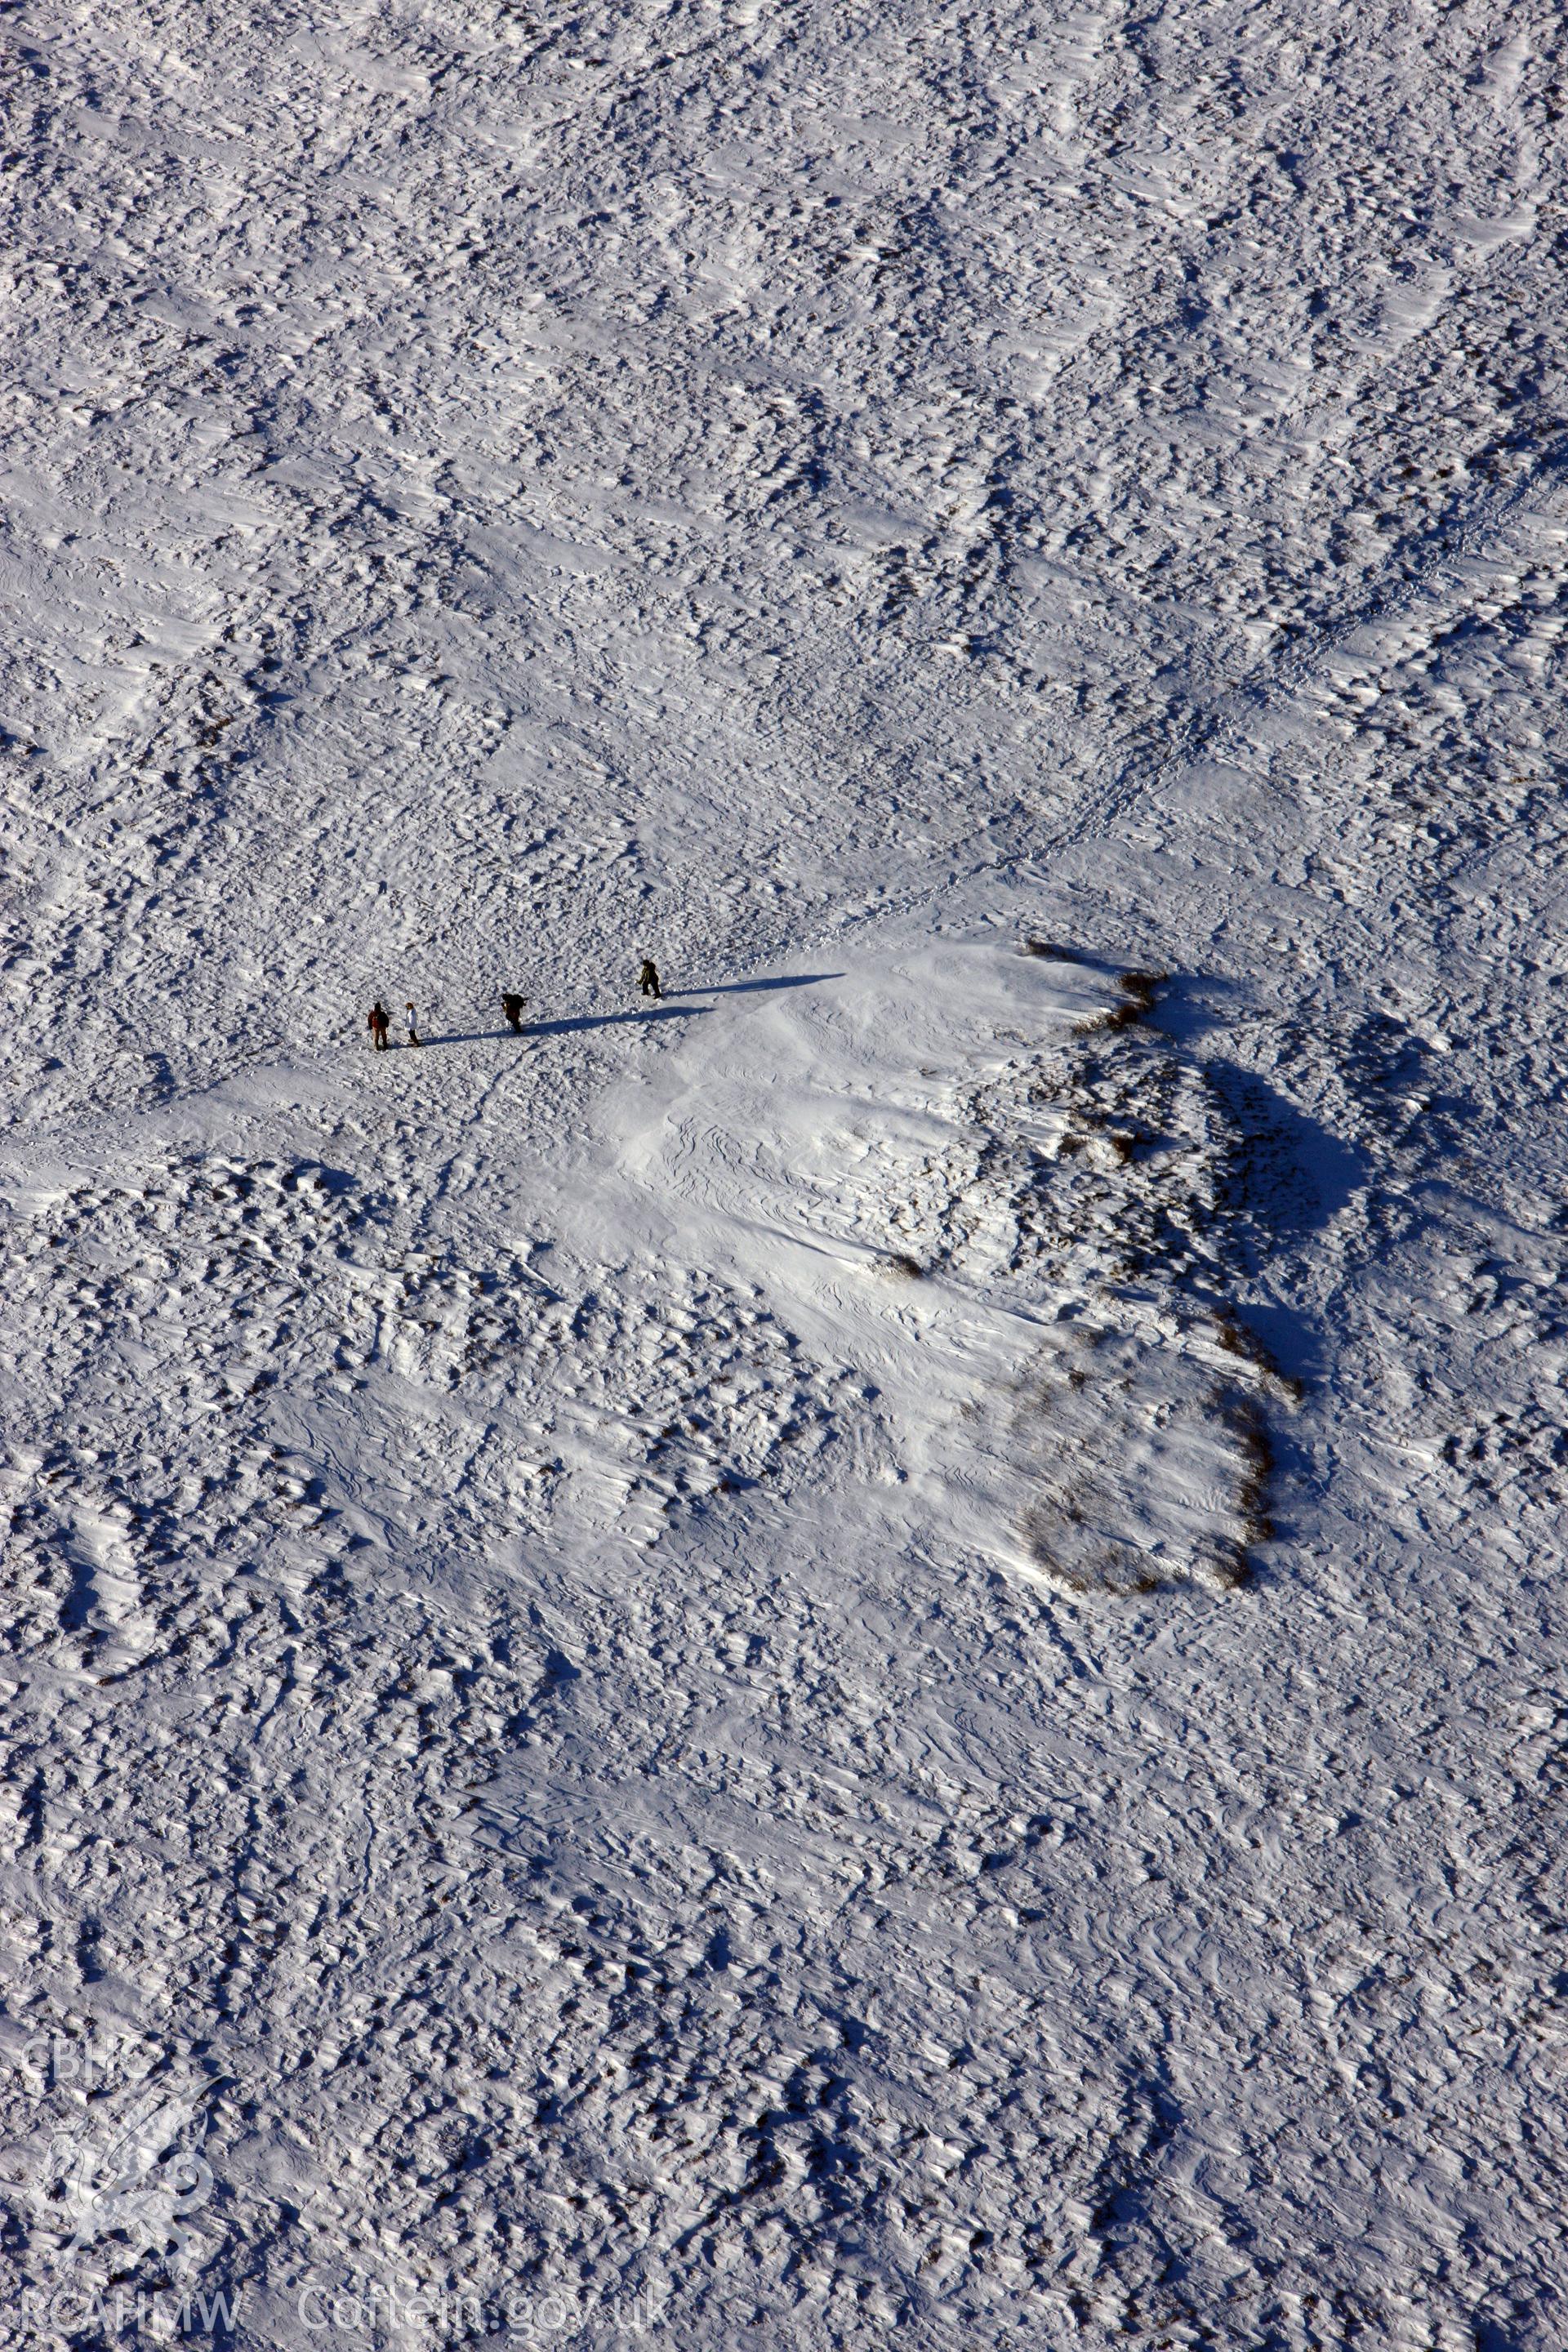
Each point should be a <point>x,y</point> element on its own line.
<point>562,1028</point>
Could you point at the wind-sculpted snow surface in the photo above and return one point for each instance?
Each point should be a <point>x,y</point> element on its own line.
<point>876,1649</point>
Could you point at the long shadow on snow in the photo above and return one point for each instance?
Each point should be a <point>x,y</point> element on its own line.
<point>608,1020</point>
<point>1291,1175</point>
<point>564,1028</point>
<point>1288,1177</point>
<point>749,987</point>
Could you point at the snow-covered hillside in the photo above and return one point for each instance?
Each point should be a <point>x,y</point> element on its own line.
<point>877,1649</point>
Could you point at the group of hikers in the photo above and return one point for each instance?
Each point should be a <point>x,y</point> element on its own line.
<point>513,1005</point>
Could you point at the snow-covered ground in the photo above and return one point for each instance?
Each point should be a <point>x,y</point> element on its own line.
<point>878,1649</point>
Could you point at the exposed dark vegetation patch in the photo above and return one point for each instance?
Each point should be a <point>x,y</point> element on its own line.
<point>1139,993</point>
<point>1253,1496</point>
<point>1117,1167</point>
<point>1055,954</point>
<point>1237,1339</point>
<point>1150,1472</point>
